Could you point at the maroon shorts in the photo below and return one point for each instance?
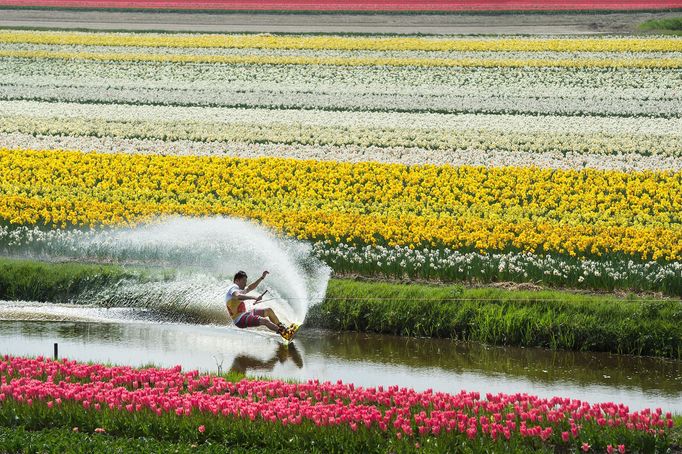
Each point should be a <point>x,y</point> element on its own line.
<point>250,319</point>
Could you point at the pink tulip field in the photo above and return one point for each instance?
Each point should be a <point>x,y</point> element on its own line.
<point>202,408</point>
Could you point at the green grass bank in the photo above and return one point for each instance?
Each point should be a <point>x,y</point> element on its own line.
<point>37,429</point>
<point>44,430</point>
<point>32,280</point>
<point>558,320</point>
<point>669,26</point>
<point>64,440</point>
<point>548,318</point>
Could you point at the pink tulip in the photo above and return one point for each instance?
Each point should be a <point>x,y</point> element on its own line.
<point>431,413</point>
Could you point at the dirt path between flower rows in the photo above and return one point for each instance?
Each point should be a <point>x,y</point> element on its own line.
<point>561,23</point>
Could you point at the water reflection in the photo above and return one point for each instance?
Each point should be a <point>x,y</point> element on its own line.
<point>541,365</point>
<point>249,364</point>
<point>364,359</point>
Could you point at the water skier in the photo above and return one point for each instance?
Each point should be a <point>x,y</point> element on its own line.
<point>235,298</point>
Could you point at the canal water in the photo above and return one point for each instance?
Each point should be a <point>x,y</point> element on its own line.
<point>132,337</point>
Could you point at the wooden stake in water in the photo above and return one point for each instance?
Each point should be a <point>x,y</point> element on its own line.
<point>56,351</point>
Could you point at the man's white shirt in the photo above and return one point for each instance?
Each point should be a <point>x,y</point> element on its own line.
<point>231,291</point>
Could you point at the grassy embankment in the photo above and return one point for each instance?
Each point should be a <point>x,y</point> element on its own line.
<point>55,439</point>
<point>552,319</point>
<point>671,26</point>
<point>548,318</point>
<point>61,282</point>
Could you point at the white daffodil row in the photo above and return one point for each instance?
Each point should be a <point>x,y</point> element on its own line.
<point>430,143</point>
<point>273,97</point>
<point>346,153</point>
<point>449,264</point>
<point>336,52</point>
<point>658,83</point>
<point>399,262</point>
<point>538,92</point>
<point>444,123</point>
<point>548,116</point>
<point>444,139</point>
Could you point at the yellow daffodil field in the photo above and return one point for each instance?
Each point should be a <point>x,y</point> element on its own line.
<point>553,159</point>
<point>585,212</point>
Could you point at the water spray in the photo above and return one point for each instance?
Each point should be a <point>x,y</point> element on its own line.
<point>202,255</point>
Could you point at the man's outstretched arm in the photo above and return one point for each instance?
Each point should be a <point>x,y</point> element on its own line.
<point>242,296</point>
<point>255,283</point>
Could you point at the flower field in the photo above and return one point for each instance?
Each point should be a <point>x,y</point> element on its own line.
<point>194,407</point>
<point>358,5</point>
<point>559,211</point>
<point>552,159</point>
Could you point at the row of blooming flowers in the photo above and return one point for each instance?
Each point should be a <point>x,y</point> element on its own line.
<point>272,97</point>
<point>586,81</point>
<point>436,122</point>
<point>401,414</point>
<point>580,213</point>
<point>451,265</point>
<point>264,90</point>
<point>562,92</point>
<point>446,77</point>
<point>311,52</point>
<point>606,63</point>
<point>627,162</point>
<point>359,5</point>
<point>543,101</point>
<point>428,133</point>
<point>571,159</point>
<point>563,44</point>
<point>397,262</point>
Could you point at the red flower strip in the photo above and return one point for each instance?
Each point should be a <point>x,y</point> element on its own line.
<point>359,5</point>
<point>401,410</point>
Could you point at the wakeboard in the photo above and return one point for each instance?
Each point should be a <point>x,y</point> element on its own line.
<point>289,333</point>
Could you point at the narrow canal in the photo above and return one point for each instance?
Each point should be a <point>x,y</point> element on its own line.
<point>123,336</point>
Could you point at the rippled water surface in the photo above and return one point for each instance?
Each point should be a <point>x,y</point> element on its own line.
<point>364,359</point>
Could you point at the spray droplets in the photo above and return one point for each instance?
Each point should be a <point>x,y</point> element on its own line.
<point>199,257</point>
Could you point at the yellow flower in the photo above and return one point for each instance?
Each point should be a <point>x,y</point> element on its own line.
<point>575,212</point>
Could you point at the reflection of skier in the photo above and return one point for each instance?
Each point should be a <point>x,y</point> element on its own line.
<point>237,294</point>
<point>242,363</point>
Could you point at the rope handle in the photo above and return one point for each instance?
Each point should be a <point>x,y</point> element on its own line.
<point>261,296</point>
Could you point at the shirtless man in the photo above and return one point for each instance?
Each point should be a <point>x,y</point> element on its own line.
<point>237,293</point>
